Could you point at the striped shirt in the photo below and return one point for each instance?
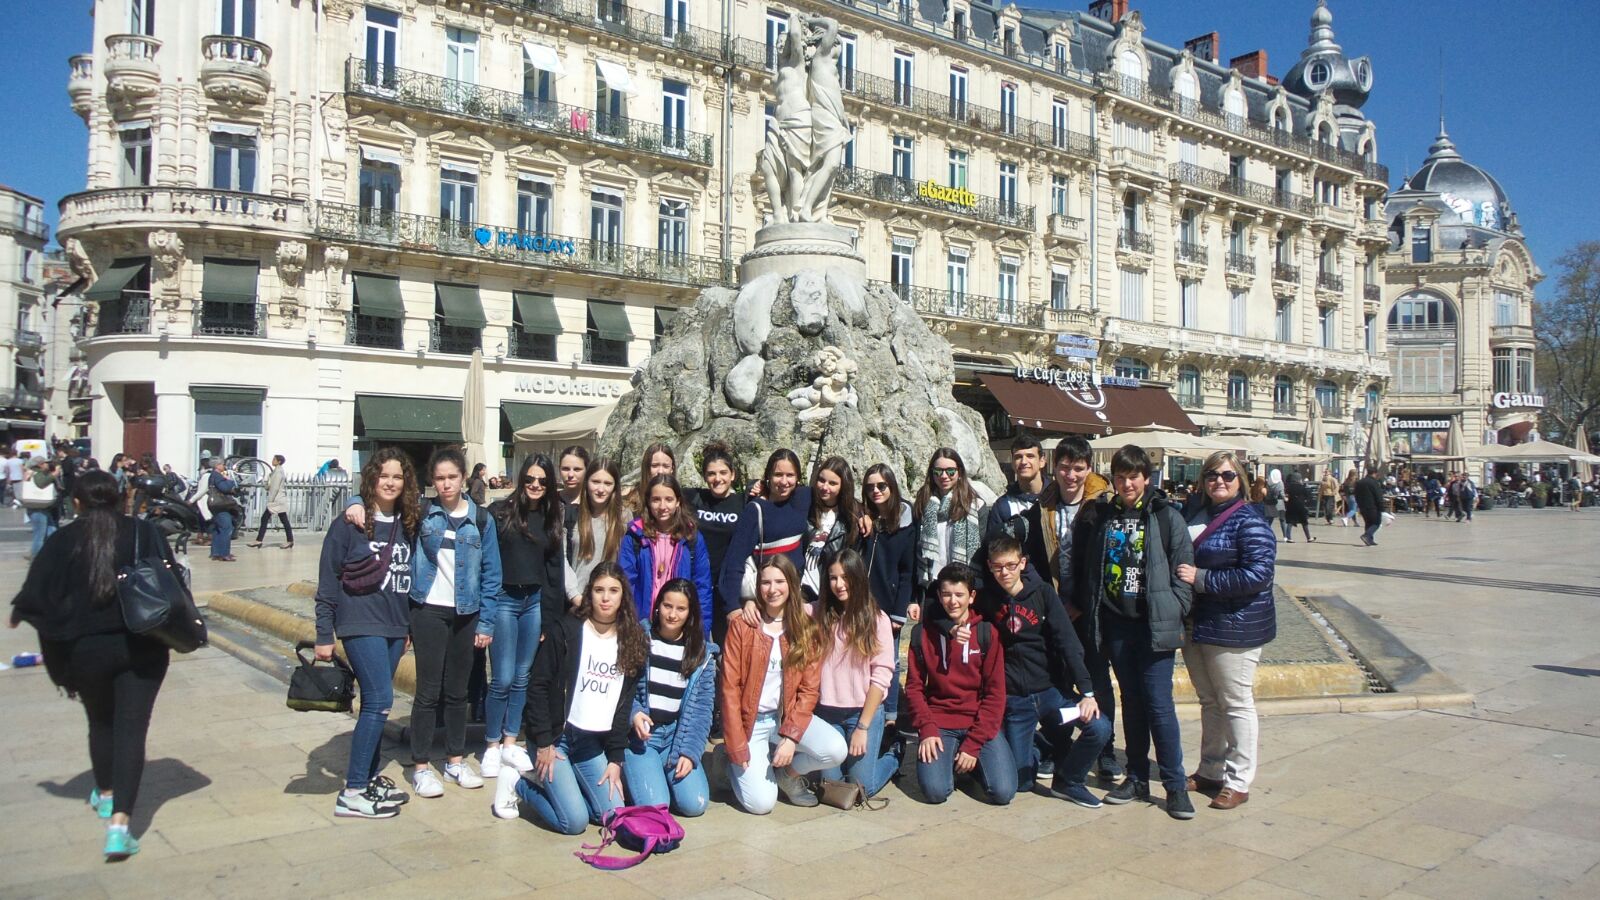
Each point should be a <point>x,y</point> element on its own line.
<point>666,684</point>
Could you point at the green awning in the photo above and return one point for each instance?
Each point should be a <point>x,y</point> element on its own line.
<point>538,313</point>
<point>409,418</point>
<point>228,394</point>
<point>230,280</point>
<point>526,415</point>
<point>665,316</point>
<point>378,295</point>
<point>610,321</point>
<point>112,282</point>
<point>460,305</point>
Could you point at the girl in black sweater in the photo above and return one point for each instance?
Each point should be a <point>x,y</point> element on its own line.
<point>891,551</point>
<point>716,510</point>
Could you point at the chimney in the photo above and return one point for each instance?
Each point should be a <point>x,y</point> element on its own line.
<point>1207,46</point>
<point>1251,65</point>
<point>1108,10</point>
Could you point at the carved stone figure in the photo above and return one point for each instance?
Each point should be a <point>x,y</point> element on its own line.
<point>291,267</point>
<point>167,259</point>
<point>830,389</point>
<point>78,261</point>
<point>805,143</point>
<point>334,259</point>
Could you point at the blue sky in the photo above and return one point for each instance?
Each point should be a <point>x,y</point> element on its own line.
<point>1519,99</point>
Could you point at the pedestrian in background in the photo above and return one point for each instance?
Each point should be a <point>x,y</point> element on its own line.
<point>1369,499</point>
<point>41,501</point>
<point>1297,508</point>
<point>1327,495</point>
<point>1272,502</point>
<point>277,504</point>
<point>220,490</point>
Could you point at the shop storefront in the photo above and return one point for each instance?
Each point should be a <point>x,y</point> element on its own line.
<point>1076,401</point>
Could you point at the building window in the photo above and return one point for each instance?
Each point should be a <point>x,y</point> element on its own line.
<point>236,18</point>
<point>955,269</point>
<point>136,157</point>
<point>901,257</point>
<point>142,17</point>
<point>958,24</point>
<point>1188,386</point>
<point>849,160</point>
<point>610,107</point>
<point>535,340</point>
<point>1187,233</point>
<point>1505,308</point>
<point>675,17</point>
<point>958,168</point>
<point>383,40</point>
<point>1282,250</point>
<point>1189,304</point>
<point>903,157</point>
<point>1130,66</point>
<point>958,93</point>
<point>1422,312</point>
<point>777,27</point>
<point>1060,288</point>
<point>1524,371</point>
<point>535,202</point>
<point>672,229</point>
<point>1328,398</point>
<point>605,223</point>
<point>1238,392</point>
<point>379,190</point>
<point>1133,135</point>
<point>460,64</point>
<point>902,77</point>
<point>1369,334</point>
<point>847,62</point>
<point>1236,311</point>
<point>1282,395</point>
<point>1236,240</point>
<point>674,114</point>
<point>1132,295</point>
<point>1008,108</point>
<point>1284,324</point>
<point>1060,119</point>
<point>1006,291</point>
<point>1008,186</point>
<point>1130,213</point>
<point>458,194</point>
<point>538,91</point>
<point>1058,194</point>
<point>606,337</point>
<point>1236,167</point>
<point>233,161</point>
<point>1327,328</point>
<point>1504,371</point>
<point>1128,367</point>
<point>1421,244</point>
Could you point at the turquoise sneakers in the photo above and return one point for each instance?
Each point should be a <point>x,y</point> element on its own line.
<point>101,803</point>
<point>120,845</point>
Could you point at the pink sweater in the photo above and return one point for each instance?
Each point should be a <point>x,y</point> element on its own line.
<point>846,678</point>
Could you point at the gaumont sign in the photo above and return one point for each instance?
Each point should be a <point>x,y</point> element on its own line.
<point>1504,400</point>
<point>1419,424</point>
<point>933,190</point>
<point>568,387</point>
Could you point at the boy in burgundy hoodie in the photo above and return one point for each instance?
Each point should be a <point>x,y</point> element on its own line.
<point>956,691</point>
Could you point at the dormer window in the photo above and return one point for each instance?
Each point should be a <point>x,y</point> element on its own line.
<point>1318,74</point>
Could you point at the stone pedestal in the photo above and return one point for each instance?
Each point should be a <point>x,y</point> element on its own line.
<point>796,247</point>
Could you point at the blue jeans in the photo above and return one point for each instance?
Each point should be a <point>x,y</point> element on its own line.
<point>872,771</point>
<point>1145,676</point>
<point>573,797</point>
<point>1043,711</point>
<point>1104,692</point>
<point>1371,531</point>
<point>891,701</point>
<point>649,773</point>
<point>996,770</point>
<point>221,535</point>
<point>44,525</point>
<point>516,640</point>
<point>374,660</point>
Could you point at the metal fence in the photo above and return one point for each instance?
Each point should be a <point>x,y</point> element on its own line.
<point>313,502</point>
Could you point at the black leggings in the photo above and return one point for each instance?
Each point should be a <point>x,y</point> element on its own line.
<point>118,676</point>
<point>442,644</point>
<point>288,533</point>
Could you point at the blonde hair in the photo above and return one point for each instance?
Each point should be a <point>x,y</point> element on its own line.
<point>1226,456</point>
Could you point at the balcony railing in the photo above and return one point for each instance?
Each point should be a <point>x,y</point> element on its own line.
<point>887,92</point>
<point>1238,404</point>
<point>460,340</point>
<point>1331,409</point>
<point>128,315</point>
<point>1234,186</point>
<point>384,332</point>
<point>971,307</point>
<point>161,205</point>
<point>1137,241</point>
<point>29,340</point>
<point>887,188</point>
<point>532,346</point>
<point>1186,251</point>
<point>1371,293</point>
<point>430,234</point>
<point>22,398</point>
<point>1190,401</point>
<point>419,90</point>
<point>1285,272</point>
<point>1241,262</point>
<point>1330,281</point>
<point>218,318</point>
<point>131,47</point>
<point>615,18</point>
<point>27,225</point>
<point>227,48</point>
<point>82,68</point>
<point>598,351</point>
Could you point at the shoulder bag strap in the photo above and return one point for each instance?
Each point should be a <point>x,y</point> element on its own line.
<point>1216,523</point>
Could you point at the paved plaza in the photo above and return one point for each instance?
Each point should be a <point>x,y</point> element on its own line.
<point>1501,799</point>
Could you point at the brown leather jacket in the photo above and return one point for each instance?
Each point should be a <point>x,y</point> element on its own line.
<point>744,668</point>
<point>1095,487</point>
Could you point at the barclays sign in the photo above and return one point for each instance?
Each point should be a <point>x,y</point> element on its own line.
<point>520,240</point>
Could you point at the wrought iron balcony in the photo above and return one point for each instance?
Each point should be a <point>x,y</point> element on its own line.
<point>888,93</point>
<point>218,318</point>
<point>128,315</point>
<point>1241,262</point>
<point>618,19</point>
<point>433,93</point>
<point>1372,293</point>
<point>29,342</point>
<point>969,307</point>
<point>1285,272</point>
<point>1285,408</point>
<point>1186,251</point>
<point>1134,240</point>
<point>887,188</point>
<point>598,351</point>
<point>1238,404</point>
<point>430,234</point>
<point>965,36</point>
<point>1331,409</point>
<point>26,225</point>
<point>1375,171</point>
<point>1244,189</point>
<point>384,332</point>
<point>460,340</point>
<point>1330,281</point>
<point>541,347</point>
<point>1190,401</point>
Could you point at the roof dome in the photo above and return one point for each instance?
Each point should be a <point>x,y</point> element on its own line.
<point>1323,66</point>
<point>1473,194</point>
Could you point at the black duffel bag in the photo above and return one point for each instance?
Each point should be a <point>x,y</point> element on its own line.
<point>325,688</point>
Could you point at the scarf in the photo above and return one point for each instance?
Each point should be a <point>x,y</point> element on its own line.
<point>964,537</point>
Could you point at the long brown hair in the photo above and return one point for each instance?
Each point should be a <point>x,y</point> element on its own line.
<point>649,454</point>
<point>885,522</point>
<point>806,646</point>
<point>633,648</point>
<point>612,510</point>
<point>962,498</point>
<point>682,525</point>
<point>844,506</point>
<point>857,614</point>
<point>407,506</point>
<point>513,513</point>
<point>694,637</point>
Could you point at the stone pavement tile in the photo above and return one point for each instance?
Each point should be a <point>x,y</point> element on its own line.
<point>1120,885</point>
<point>1459,813</point>
<point>248,825</point>
<point>84,850</point>
<point>350,836</point>
<point>1033,816</point>
<point>1468,877</point>
<point>1572,817</point>
<point>525,851</point>
<point>1203,865</point>
<point>1519,787</point>
<point>1065,856</point>
<point>690,871</point>
<point>68,887</point>
<point>332,875</point>
<point>805,841</point>
<point>1338,806</point>
<point>1494,739</point>
<point>179,876</point>
<point>1255,889</point>
<point>931,849</point>
<point>959,879</point>
<point>838,875</point>
<point>1585,888</point>
<point>1336,872</point>
<point>1577,748</point>
<point>445,883</point>
<point>1443,762</point>
<point>1277,833</point>
<point>1540,851</point>
<point>1411,843</point>
<point>1381,781</point>
<point>594,884</point>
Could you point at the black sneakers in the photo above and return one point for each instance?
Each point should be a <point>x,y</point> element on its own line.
<point>1127,792</point>
<point>1178,805</point>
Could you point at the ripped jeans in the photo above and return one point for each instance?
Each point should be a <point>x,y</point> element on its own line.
<point>374,660</point>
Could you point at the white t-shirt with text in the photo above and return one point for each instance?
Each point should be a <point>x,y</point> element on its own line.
<point>599,687</point>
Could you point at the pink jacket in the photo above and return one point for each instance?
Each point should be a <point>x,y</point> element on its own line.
<point>846,678</point>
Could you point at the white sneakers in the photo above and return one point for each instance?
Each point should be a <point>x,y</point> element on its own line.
<point>490,767</point>
<point>461,773</point>
<point>504,804</point>
<point>427,783</point>
<point>516,757</point>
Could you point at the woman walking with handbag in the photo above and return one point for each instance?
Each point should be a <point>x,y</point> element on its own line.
<point>70,597</point>
<point>363,599</point>
<point>276,505</point>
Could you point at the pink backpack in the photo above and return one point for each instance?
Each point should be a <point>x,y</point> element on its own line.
<point>644,829</point>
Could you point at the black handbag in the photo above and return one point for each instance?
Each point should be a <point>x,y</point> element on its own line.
<point>314,688</point>
<point>156,602</point>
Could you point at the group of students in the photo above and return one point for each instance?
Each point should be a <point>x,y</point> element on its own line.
<point>825,634</point>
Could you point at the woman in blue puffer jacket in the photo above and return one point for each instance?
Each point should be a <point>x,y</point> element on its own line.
<point>1235,553</point>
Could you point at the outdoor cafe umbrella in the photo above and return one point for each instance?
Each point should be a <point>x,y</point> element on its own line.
<point>1271,450</point>
<point>1160,439</point>
<point>1379,453</point>
<point>1580,443</point>
<point>1538,452</point>
<point>472,412</point>
<point>1314,438</point>
<point>1454,448</point>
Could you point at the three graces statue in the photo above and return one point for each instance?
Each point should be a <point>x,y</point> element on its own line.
<point>805,140</point>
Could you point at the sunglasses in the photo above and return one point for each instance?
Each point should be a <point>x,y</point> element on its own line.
<point>541,482</point>
<point>948,473</point>
<point>1224,477</point>
<point>876,486</point>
